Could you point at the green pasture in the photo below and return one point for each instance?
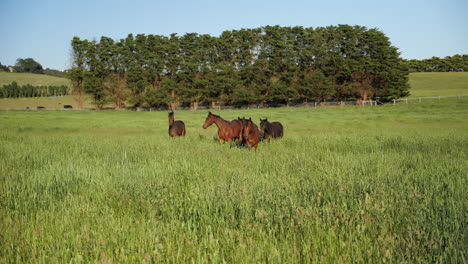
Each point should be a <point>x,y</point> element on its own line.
<point>427,84</point>
<point>50,103</point>
<point>33,79</point>
<point>345,185</point>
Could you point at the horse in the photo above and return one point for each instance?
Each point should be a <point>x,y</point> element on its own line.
<point>227,130</point>
<point>176,128</point>
<point>271,130</point>
<point>250,133</point>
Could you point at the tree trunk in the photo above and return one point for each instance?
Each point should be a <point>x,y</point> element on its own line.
<point>195,105</point>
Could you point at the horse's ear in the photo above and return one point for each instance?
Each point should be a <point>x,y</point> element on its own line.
<point>266,119</point>
<point>209,112</point>
<point>250,119</point>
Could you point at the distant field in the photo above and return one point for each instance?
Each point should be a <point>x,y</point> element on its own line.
<point>50,103</point>
<point>31,78</point>
<point>425,84</point>
<point>345,185</point>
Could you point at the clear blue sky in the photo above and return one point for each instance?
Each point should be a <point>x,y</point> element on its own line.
<point>43,29</point>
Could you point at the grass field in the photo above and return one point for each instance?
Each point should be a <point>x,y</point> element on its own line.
<point>31,78</point>
<point>50,103</point>
<point>425,84</point>
<point>355,184</point>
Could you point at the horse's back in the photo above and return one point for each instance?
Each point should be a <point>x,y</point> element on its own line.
<point>177,129</point>
<point>236,126</point>
<point>277,129</point>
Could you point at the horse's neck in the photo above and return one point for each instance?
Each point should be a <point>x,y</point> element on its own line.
<point>221,123</point>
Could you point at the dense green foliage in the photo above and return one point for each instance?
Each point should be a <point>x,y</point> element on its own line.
<point>271,64</point>
<point>455,63</point>
<point>345,185</point>
<point>28,65</point>
<point>13,90</point>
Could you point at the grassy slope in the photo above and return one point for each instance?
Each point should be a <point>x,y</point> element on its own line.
<point>356,184</point>
<point>50,103</point>
<point>31,78</point>
<point>438,84</point>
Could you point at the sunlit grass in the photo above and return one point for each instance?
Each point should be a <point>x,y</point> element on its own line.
<point>427,84</point>
<point>353,184</point>
<point>33,79</point>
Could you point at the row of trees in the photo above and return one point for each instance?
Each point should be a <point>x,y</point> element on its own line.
<point>14,90</point>
<point>271,64</point>
<point>456,63</point>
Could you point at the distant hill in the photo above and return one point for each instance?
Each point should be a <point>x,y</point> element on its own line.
<point>438,84</point>
<point>32,78</point>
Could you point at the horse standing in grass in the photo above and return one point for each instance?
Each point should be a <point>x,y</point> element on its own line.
<point>176,128</point>
<point>250,133</point>
<point>227,130</point>
<point>271,130</point>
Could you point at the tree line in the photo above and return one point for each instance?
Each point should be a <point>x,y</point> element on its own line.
<point>455,63</point>
<point>29,65</point>
<point>13,90</point>
<point>266,65</point>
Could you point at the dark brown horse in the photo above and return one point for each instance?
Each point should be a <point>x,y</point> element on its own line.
<point>271,130</point>
<point>176,128</point>
<point>227,130</point>
<point>250,133</point>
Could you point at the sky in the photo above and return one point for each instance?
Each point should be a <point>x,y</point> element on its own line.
<point>43,29</point>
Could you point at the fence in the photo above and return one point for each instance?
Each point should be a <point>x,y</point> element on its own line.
<point>423,99</point>
<point>259,106</point>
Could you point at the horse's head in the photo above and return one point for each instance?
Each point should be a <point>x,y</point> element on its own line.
<point>247,126</point>
<point>210,119</point>
<point>171,117</point>
<point>263,125</point>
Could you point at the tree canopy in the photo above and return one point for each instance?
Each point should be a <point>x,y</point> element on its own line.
<point>28,65</point>
<point>455,63</point>
<point>271,64</point>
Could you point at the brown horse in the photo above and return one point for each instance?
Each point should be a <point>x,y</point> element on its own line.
<point>226,130</point>
<point>176,128</point>
<point>271,130</point>
<point>250,133</point>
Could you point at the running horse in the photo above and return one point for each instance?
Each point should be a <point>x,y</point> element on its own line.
<point>227,130</point>
<point>176,128</point>
<point>271,130</point>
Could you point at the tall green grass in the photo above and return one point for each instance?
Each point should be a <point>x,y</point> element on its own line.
<point>354,184</point>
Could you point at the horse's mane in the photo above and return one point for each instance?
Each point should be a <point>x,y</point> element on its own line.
<point>216,116</point>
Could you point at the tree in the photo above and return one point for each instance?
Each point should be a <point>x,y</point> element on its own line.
<point>28,65</point>
<point>77,73</point>
<point>269,64</point>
